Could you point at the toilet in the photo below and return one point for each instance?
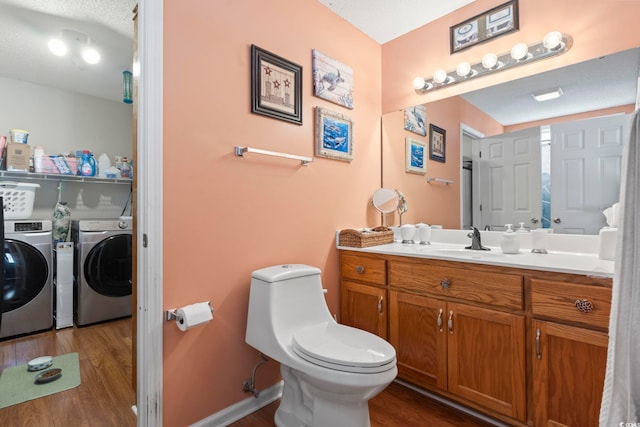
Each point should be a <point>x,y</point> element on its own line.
<point>330,371</point>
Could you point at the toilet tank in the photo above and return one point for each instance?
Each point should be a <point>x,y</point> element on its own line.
<point>282,299</point>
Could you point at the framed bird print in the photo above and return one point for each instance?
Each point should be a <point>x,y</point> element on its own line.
<point>332,80</point>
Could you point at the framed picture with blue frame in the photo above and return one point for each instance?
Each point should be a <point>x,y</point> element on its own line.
<point>333,135</point>
<point>415,156</point>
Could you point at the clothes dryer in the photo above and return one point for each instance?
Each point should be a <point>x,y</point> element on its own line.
<point>28,278</point>
<point>102,266</point>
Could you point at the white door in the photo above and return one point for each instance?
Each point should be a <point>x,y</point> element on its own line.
<point>510,183</point>
<point>585,172</point>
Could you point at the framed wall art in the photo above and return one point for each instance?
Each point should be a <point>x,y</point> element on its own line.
<point>498,21</point>
<point>332,80</point>
<point>334,135</point>
<point>276,86</point>
<point>415,159</point>
<point>437,143</point>
<point>415,119</point>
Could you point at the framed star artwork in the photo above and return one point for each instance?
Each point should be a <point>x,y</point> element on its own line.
<point>332,80</point>
<point>276,86</point>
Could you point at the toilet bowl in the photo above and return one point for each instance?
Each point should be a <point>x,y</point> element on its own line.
<point>330,371</point>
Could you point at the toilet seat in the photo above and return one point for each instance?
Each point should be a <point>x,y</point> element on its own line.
<point>343,348</point>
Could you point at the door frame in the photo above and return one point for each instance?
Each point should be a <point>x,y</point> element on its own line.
<point>149,377</point>
<point>476,135</point>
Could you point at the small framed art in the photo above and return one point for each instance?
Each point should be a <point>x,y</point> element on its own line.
<point>276,86</point>
<point>334,135</point>
<point>332,80</point>
<point>437,143</point>
<point>498,21</point>
<point>415,119</point>
<point>415,151</point>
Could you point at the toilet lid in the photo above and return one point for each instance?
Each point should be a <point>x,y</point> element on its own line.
<point>344,348</point>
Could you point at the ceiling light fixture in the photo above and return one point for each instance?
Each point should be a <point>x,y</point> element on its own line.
<point>553,44</point>
<point>75,42</point>
<point>547,94</point>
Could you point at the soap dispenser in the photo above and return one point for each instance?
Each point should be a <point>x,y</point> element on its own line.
<point>510,243</point>
<point>521,229</point>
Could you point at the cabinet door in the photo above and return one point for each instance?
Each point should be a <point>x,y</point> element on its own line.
<point>569,366</point>
<point>487,358</point>
<point>417,330</point>
<point>364,307</point>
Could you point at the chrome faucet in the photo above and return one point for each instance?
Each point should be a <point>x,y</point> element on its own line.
<point>476,244</point>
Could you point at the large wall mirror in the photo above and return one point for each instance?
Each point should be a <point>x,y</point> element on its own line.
<point>513,159</point>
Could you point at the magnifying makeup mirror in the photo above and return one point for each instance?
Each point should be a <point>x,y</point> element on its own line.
<point>386,202</point>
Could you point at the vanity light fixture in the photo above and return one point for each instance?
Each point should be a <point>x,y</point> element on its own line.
<point>553,44</point>
<point>547,94</point>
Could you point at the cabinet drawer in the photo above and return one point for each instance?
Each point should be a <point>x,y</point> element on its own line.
<point>363,268</point>
<point>569,302</point>
<point>496,289</point>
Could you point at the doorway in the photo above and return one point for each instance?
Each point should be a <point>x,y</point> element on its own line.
<point>469,147</point>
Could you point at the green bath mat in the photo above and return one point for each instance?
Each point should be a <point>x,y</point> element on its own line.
<point>17,384</point>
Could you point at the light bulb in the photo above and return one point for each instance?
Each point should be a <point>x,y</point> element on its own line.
<point>57,47</point>
<point>418,83</point>
<point>519,51</point>
<point>463,69</point>
<point>440,76</point>
<point>90,55</point>
<point>489,61</point>
<point>553,40</point>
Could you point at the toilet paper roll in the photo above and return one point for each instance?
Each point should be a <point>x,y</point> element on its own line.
<point>608,238</point>
<point>193,315</point>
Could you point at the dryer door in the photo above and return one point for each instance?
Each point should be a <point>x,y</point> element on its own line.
<point>107,267</point>
<point>25,274</point>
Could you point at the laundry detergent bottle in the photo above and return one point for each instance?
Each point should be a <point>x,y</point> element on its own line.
<point>87,164</point>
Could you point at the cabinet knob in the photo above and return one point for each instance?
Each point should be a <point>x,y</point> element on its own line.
<point>445,283</point>
<point>584,305</point>
<point>360,269</point>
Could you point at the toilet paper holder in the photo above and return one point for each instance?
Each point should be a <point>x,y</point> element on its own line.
<point>171,314</point>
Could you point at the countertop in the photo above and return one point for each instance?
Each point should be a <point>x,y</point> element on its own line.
<point>556,261</point>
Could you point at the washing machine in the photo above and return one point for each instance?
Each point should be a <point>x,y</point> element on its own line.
<point>28,278</point>
<point>102,269</point>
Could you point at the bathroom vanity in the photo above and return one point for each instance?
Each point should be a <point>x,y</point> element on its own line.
<point>520,338</point>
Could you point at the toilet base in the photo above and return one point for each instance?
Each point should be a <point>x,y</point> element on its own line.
<point>305,405</point>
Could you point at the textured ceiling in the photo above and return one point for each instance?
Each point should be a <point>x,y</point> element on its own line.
<point>384,20</point>
<point>27,25</point>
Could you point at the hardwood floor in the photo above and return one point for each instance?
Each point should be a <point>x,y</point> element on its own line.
<point>105,396</point>
<point>396,406</point>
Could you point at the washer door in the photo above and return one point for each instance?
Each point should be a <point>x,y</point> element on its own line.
<point>25,274</point>
<point>107,268</point>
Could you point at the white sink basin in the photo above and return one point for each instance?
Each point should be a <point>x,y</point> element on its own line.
<point>469,253</point>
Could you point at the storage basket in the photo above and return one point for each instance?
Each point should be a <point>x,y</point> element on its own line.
<point>17,199</point>
<point>365,238</point>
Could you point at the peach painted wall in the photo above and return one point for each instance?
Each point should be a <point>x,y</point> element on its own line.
<point>431,203</point>
<point>597,27</point>
<point>225,216</point>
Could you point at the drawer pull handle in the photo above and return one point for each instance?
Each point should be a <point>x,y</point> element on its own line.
<point>445,283</point>
<point>450,322</point>
<point>380,304</point>
<point>538,353</point>
<point>360,269</point>
<point>584,305</point>
<point>440,320</point>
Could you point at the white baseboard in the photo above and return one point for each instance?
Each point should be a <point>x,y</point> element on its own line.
<point>241,409</point>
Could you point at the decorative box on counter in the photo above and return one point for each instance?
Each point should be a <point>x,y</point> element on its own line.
<point>365,237</point>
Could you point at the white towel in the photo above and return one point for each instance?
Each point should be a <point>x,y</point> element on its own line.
<point>621,396</point>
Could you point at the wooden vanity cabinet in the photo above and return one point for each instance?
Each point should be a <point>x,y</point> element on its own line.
<point>570,351</point>
<point>363,293</point>
<point>461,331</point>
